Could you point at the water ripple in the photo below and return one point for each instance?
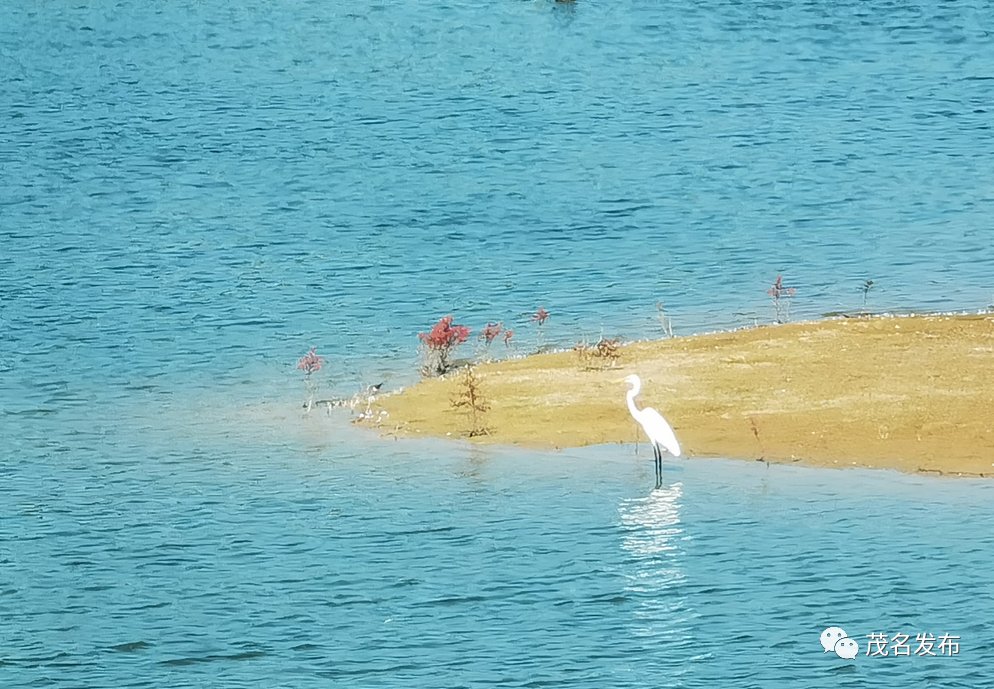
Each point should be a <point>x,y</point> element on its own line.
<point>194,195</point>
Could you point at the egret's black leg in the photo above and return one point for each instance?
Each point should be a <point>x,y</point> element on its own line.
<point>659,465</point>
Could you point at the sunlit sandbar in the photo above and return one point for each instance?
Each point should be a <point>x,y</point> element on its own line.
<point>913,393</point>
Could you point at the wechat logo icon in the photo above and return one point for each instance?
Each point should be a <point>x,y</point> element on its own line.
<point>836,639</point>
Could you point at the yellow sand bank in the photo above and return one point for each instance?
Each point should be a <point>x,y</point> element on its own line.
<point>910,393</point>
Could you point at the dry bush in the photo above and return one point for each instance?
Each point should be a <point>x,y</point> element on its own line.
<point>602,355</point>
<point>470,397</point>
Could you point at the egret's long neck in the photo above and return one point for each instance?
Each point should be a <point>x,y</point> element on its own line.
<point>631,402</point>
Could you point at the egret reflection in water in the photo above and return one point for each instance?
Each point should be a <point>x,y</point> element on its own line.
<point>652,524</point>
<point>651,535</point>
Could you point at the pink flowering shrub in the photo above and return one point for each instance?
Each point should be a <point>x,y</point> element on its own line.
<point>781,297</point>
<point>310,364</point>
<point>438,343</point>
<point>539,318</point>
<point>490,333</point>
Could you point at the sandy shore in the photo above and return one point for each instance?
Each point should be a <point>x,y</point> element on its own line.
<point>910,393</point>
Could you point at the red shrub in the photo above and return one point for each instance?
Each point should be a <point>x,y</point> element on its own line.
<point>491,332</point>
<point>440,341</point>
<point>444,335</point>
<point>778,291</point>
<point>781,299</point>
<point>310,362</point>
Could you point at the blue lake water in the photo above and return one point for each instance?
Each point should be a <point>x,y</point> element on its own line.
<point>191,196</point>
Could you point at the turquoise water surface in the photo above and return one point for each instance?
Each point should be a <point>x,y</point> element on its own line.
<point>193,195</point>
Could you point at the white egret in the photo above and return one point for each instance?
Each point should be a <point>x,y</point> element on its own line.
<point>659,432</point>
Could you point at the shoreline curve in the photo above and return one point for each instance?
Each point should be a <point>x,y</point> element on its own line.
<point>911,393</point>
